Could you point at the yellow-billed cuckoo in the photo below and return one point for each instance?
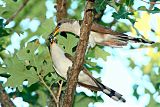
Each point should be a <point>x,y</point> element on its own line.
<point>62,63</point>
<point>98,35</point>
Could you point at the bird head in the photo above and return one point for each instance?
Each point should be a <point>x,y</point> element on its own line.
<point>65,25</point>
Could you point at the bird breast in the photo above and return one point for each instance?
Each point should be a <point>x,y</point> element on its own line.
<point>62,63</point>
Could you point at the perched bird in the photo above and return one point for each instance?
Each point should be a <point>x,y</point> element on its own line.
<point>99,34</point>
<point>62,62</point>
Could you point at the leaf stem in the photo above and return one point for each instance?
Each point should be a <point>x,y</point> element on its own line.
<point>43,82</point>
<point>59,90</point>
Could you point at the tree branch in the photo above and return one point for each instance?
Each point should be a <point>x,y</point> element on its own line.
<point>59,92</point>
<point>51,92</point>
<point>79,56</point>
<point>17,12</point>
<point>4,98</point>
<point>61,9</point>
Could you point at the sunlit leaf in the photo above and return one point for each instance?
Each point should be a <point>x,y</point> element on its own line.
<point>98,52</point>
<point>67,43</point>
<point>29,64</point>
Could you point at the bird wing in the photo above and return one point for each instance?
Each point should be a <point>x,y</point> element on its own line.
<point>101,29</point>
<point>70,57</point>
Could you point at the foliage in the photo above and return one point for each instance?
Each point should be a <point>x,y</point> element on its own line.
<point>32,63</point>
<point>82,99</point>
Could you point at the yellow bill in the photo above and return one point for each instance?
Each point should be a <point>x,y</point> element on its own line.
<point>56,31</point>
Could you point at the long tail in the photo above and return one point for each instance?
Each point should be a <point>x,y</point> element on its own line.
<point>100,87</point>
<point>122,40</point>
<point>133,39</point>
<point>110,92</point>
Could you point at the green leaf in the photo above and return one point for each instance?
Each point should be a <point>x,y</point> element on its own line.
<point>92,66</point>
<point>83,99</point>
<point>97,52</point>
<point>34,95</point>
<point>10,8</point>
<point>129,2</point>
<point>100,53</point>
<point>3,31</point>
<point>135,91</point>
<point>27,53</point>
<point>154,10</point>
<point>89,62</point>
<point>143,8</point>
<point>67,43</point>
<point>156,45</point>
<point>45,28</point>
<point>132,64</point>
<point>100,5</point>
<point>19,73</point>
<point>43,98</point>
<point>122,13</point>
<point>27,64</point>
<point>2,70</point>
<point>122,27</point>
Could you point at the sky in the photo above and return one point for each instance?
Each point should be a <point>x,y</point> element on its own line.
<point>115,74</point>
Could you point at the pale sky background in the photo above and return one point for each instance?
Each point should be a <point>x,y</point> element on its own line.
<point>115,73</point>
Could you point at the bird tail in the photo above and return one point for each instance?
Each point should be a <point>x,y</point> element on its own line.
<point>122,40</point>
<point>100,87</point>
<point>133,39</point>
<point>110,92</point>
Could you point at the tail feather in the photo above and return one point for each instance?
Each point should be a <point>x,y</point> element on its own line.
<point>122,40</point>
<point>133,39</point>
<point>110,92</point>
<point>100,87</point>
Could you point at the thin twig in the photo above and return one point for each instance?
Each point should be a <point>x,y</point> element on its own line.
<point>59,92</point>
<point>60,89</point>
<point>150,2</point>
<point>51,92</point>
<point>17,12</point>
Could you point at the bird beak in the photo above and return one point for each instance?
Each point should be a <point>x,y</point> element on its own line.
<point>53,35</point>
<point>56,31</point>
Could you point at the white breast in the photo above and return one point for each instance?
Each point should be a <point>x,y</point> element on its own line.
<point>62,63</point>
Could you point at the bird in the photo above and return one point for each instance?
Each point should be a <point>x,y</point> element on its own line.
<point>61,63</point>
<point>98,35</point>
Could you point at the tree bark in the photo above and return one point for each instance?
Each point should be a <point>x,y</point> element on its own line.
<point>79,56</point>
<point>61,9</point>
<point>4,98</point>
